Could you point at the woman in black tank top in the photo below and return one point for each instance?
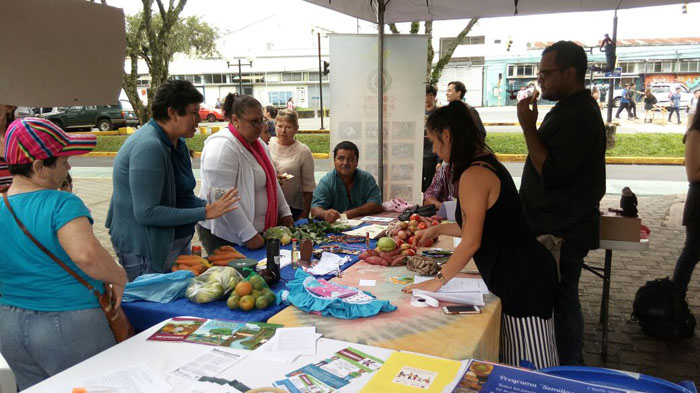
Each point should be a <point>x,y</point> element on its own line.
<point>514,266</point>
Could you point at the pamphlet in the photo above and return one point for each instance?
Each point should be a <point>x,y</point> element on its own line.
<point>177,329</point>
<point>375,231</point>
<point>486,377</point>
<point>208,364</point>
<point>139,378</point>
<point>412,372</point>
<point>232,334</point>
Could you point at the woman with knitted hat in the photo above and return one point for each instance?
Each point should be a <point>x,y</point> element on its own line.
<point>45,313</point>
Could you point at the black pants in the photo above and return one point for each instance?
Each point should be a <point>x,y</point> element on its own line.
<point>633,108</point>
<point>568,318</point>
<point>678,113</point>
<point>624,105</point>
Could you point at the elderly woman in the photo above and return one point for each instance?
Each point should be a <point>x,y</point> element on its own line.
<point>49,320</point>
<point>238,158</point>
<point>7,115</point>
<point>293,157</point>
<point>514,266</point>
<point>153,209</point>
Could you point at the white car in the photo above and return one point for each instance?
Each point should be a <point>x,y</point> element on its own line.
<point>662,90</point>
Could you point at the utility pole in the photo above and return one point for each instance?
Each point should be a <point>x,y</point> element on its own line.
<point>611,87</point>
<point>320,78</point>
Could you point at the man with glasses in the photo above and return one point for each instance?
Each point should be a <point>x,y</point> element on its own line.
<point>346,189</point>
<point>564,179</point>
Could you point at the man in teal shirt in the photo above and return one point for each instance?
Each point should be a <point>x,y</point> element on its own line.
<point>346,189</point>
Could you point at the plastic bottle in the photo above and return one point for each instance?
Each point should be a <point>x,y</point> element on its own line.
<point>295,256</point>
<point>197,250</point>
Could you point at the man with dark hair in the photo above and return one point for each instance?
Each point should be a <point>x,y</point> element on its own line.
<point>455,92</point>
<point>564,179</point>
<point>153,210</point>
<point>346,188</point>
<point>608,46</point>
<point>430,159</point>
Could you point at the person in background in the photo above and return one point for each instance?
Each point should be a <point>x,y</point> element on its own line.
<point>625,103</point>
<point>7,115</point>
<point>270,113</point>
<point>608,46</point>
<point>346,189</point>
<point>441,189</point>
<point>633,101</point>
<point>595,93</point>
<point>67,184</point>
<point>290,103</point>
<point>691,213</point>
<point>649,102</point>
<point>265,135</point>
<point>293,157</point>
<point>563,179</point>
<point>456,92</point>
<point>153,210</point>
<point>237,158</point>
<point>430,159</point>
<point>513,264</point>
<point>675,105</point>
<point>49,320</point>
<point>692,107</point>
<point>228,103</point>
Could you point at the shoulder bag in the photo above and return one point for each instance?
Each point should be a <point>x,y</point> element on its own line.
<point>116,317</point>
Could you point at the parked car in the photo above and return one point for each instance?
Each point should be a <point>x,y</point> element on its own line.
<point>662,90</point>
<point>104,117</point>
<point>46,112</point>
<point>209,113</point>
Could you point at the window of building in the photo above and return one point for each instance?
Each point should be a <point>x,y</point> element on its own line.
<point>522,70</point>
<point>292,77</point>
<point>689,66</point>
<point>313,77</point>
<point>279,98</point>
<point>631,68</point>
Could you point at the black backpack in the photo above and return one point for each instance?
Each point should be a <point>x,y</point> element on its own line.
<point>662,311</point>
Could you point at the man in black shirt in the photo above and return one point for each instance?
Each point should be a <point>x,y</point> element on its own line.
<point>564,179</point>
<point>430,159</point>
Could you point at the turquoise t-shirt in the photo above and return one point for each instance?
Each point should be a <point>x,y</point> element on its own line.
<point>330,192</point>
<point>29,279</point>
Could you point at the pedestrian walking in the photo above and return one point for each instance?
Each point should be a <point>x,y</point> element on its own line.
<point>624,103</point>
<point>649,102</point>
<point>675,105</point>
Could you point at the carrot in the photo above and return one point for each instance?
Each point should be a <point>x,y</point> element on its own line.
<point>221,257</point>
<point>188,256</point>
<point>175,268</point>
<point>190,268</point>
<point>223,262</point>
<point>228,248</point>
<point>190,262</point>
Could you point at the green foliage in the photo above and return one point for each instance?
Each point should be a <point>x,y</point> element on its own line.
<point>318,143</point>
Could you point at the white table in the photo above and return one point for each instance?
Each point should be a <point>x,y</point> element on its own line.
<point>164,357</point>
<point>609,246</point>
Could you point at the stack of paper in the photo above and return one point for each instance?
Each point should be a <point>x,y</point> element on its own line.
<point>288,343</point>
<point>458,290</point>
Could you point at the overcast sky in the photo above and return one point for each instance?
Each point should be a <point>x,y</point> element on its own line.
<point>298,17</point>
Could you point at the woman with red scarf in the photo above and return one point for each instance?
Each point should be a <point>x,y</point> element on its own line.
<point>237,157</point>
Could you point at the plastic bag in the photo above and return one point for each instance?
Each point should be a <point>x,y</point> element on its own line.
<point>257,294</point>
<point>158,287</point>
<point>213,284</point>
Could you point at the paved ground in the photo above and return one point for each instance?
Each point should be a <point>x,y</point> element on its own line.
<point>629,349</point>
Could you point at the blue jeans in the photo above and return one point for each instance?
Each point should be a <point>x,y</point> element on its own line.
<point>678,113</point>
<point>39,344</point>
<point>136,265</point>
<point>689,257</point>
<point>568,318</point>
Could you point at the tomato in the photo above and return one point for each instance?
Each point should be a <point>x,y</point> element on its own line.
<point>435,223</point>
<point>415,217</point>
<point>399,243</point>
<point>422,225</point>
<point>411,239</point>
<point>428,243</point>
<point>410,252</point>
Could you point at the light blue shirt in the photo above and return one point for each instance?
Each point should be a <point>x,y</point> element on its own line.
<point>29,278</point>
<point>330,193</point>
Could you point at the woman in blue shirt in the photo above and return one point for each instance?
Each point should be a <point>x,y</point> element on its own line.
<point>49,320</point>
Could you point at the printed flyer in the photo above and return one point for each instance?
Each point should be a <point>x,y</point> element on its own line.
<point>232,334</point>
<point>177,329</point>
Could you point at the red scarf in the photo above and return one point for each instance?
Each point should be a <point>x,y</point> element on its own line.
<point>258,152</point>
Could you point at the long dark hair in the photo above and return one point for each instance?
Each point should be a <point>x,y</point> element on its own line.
<point>467,138</point>
<point>695,125</point>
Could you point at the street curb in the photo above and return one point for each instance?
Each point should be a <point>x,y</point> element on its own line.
<point>501,157</point>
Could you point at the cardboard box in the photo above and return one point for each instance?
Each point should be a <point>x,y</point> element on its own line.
<point>620,228</point>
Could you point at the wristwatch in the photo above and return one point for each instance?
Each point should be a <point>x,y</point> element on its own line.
<point>441,277</point>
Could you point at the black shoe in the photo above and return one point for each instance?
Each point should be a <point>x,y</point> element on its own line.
<point>679,122</point>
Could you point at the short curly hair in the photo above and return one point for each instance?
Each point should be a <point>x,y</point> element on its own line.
<point>176,94</point>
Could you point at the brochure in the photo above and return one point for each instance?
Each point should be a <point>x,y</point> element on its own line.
<point>486,377</point>
<point>177,329</point>
<point>412,372</point>
<point>232,334</point>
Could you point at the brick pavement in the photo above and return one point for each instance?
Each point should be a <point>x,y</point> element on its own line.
<point>628,348</point>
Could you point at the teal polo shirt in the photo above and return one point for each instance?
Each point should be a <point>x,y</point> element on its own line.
<point>330,193</point>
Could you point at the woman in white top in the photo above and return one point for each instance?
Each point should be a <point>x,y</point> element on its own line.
<point>293,157</point>
<point>237,157</point>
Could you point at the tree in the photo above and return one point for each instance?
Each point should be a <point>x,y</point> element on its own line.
<point>156,38</point>
<point>432,75</point>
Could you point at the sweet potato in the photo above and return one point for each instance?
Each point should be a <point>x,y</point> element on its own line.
<point>376,261</point>
<point>398,261</point>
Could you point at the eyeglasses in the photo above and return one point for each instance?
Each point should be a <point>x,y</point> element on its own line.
<point>255,123</point>
<point>544,74</point>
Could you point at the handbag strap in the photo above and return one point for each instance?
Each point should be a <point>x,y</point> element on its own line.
<point>46,251</point>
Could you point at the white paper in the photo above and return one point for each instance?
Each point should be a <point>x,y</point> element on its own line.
<point>267,352</point>
<point>285,260</point>
<point>207,364</point>
<point>329,263</point>
<point>301,340</point>
<point>349,222</point>
<point>368,283</point>
<point>374,230</point>
<point>457,284</point>
<point>377,219</point>
<point>139,378</point>
<point>471,298</point>
<point>210,387</point>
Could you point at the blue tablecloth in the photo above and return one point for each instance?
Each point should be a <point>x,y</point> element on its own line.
<point>143,314</point>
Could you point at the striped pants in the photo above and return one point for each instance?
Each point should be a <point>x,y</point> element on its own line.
<point>528,338</point>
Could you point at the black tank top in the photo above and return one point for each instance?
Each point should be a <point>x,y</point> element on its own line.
<point>513,264</point>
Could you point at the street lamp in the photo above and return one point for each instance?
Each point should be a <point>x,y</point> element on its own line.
<point>240,75</point>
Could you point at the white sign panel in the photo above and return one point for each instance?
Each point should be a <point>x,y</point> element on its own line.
<point>353,82</point>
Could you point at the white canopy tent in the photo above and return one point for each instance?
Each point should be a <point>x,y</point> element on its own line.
<point>396,11</point>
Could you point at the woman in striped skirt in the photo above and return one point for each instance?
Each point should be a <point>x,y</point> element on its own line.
<point>514,265</point>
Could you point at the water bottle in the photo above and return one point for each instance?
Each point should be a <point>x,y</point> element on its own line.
<point>273,257</point>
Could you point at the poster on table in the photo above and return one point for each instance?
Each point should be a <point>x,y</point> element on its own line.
<point>354,101</point>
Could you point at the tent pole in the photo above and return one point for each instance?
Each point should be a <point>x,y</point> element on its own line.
<point>611,88</point>
<point>380,99</point>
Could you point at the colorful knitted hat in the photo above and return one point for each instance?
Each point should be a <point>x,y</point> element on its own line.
<point>30,138</point>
